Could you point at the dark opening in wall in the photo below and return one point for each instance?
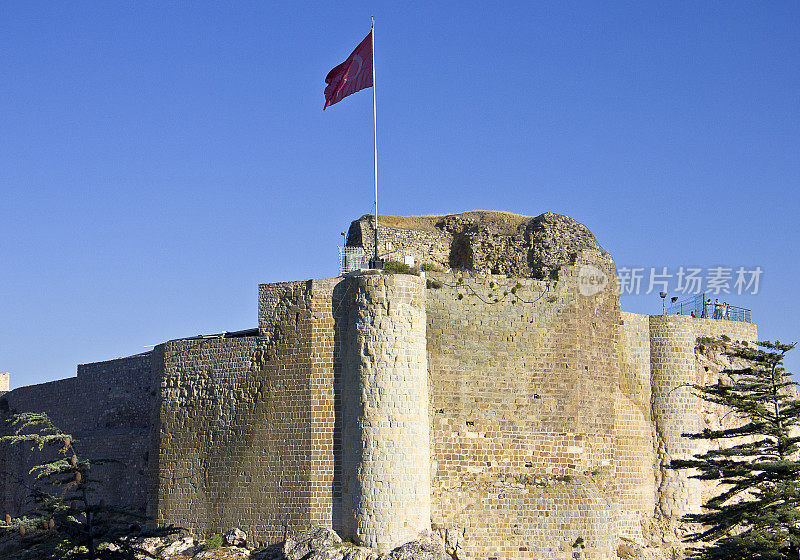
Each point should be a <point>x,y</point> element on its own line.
<point>461,257</point>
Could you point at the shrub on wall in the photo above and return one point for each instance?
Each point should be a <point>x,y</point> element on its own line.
<point>396,267</point>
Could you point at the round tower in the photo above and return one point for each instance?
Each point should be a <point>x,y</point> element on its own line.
<point>386,451</point>
<point>675,411</point>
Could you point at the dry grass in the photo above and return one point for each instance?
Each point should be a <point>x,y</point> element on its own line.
<point>497,218</point>
<point>217,554</point>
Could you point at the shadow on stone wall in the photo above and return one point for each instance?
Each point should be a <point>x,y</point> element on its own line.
<point>341,300</point>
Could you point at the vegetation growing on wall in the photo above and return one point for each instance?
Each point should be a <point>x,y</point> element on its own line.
<point>396,267</point>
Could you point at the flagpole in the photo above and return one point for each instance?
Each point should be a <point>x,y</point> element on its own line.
<point>375,139</point>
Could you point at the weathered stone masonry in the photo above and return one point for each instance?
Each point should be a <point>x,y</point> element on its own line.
<point>523,423</point>
<point>386,460</point>
<point>107,407</point>
<point>492,402</point>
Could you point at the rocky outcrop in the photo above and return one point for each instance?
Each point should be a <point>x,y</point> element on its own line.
<point>235,537</point>
<point>481,241</point>
<point>306,545</point>
<point>316,544</point>
<point>185,546</point>
<point>325,544</point>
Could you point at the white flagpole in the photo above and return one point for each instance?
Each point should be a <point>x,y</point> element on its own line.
<point>375,139</point>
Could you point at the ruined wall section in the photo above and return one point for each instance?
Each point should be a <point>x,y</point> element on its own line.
<point>425,246</point>
<point>245,425</point>
<point>480,241</point>
<point>107,408</point>
<point>386,458</point>
<point>522,419</point>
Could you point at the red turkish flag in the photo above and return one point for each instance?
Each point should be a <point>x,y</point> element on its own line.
<point>352,75</point>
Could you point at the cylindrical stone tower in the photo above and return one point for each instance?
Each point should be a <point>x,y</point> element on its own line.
<point>675,411</point>
<point>385,439</point>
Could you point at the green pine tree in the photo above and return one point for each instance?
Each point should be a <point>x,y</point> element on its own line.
<point>755,515</point>
<point>66,520</point>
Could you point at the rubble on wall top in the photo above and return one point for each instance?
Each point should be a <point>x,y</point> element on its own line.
<point>491,241</point>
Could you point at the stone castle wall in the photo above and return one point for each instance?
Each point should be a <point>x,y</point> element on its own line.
<point>672,359</point>
<point>272,434</point>
<point>521,414</point>
<point>246,426</point>
<point>676,410</point>
<point>517,415</point>
<point>496,404</point>
<point>107,408</point>
<point>660,365</point>
<point>634,455</point>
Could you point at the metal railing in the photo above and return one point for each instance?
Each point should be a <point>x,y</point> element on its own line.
<point>351,258</point>
<point>701,306</point>
<point>355,258</point>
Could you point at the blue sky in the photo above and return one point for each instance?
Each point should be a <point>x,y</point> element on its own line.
<point>159,160</point>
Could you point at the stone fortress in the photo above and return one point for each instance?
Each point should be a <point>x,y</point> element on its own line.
<point>494,399</point>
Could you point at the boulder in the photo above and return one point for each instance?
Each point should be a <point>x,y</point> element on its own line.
<point>151,545</point>
<point>272,552</point>
<point>344,551</point>
<point>235,537</point>
<point>304,545</point>
<point>187,546</point>
<point>323,544</point>
<point>429,547</point>
<point>358,553</point>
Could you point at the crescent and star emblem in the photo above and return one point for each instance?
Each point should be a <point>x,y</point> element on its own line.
<point>350,75</point>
